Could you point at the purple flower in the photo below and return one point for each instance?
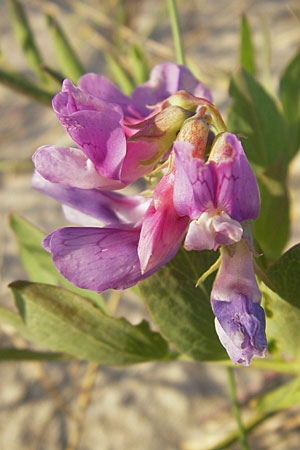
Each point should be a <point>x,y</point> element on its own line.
<point>103,122</point>
<point>217,195</point>
<point>140,235</point>
<point>235,299</point>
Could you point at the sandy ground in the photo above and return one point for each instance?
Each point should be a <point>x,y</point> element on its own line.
<point>152,406</point>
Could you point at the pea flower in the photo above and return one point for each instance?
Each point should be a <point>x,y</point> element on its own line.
<point>200,199</point>
<point>235,299</point>
<point>140,235</point>
<point>119,138</point>
<point>151,230</point>
<point>217,195</point>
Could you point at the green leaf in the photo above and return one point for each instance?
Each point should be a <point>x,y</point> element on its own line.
<point>247,56</point>
<point>283,322</point>
<point>20,83</point>
<point>290,98</point>
<point>120,75</point>
<point>283,307</point>
<point>25,37</point>
<point>38,263</point>
<point>14,354</point>
<point>255,115</point>
<point>284,275</point>
<point>281,398</point>
<point>272,226</point>
<point>266,56</point>
<point>14,320</point>
<point>64,321</point>
<point>138,64</point>
<point>67,58</point>
<point>182,312</point>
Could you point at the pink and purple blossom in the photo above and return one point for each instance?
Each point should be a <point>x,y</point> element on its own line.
<point>205,194</point>
<point>103,122</point>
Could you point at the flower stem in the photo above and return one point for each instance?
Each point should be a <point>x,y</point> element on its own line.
<point>252,424</point>
<point>176,31</point>
<point>236,408</point>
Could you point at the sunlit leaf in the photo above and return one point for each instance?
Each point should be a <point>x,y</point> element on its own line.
<point>247,54</point>
<point>255,115</point>
<point>24,36</point>
<point>66,322</point>
<point>67,58</point>
<point>283,307</point>
<point>272,227</point>
<point>280,398</point>
<point>120,75</point>
<point>283,322</point>
<point>14,320</point>
<point>182,312</point>
<point>138,65</point>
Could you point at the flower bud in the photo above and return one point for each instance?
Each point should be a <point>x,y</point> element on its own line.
<point>195,130</point>
<point>161,129</point>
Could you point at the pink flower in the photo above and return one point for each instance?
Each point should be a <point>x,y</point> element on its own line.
<point>103,122</point>
<point>217,195</point>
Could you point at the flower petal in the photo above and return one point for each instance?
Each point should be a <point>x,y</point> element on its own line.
<point>165,80</point>
<point>162,229</point>
<point>235,299</point>
<point>237,193</point>
<point>236,274</point>
<point>102,88</point>
<point>240,325</point>
<point>195,182</point>
<point>199,235</point>
<point>99,258</point>
<point>70,166</point>
<point>72,99</point>
<point>107,207</point>
<point>134,165</point>
<point>101,137</point>
<point>96,258</point>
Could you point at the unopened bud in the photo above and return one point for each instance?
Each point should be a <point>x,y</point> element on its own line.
<point>195,130</point>
<point>162,129</point>
<point>183,99</point>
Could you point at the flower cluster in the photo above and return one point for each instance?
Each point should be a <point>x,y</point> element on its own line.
<point>206,193</point>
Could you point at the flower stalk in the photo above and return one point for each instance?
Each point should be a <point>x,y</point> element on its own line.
<point>236,408</point>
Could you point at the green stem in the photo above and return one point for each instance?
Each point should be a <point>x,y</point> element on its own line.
<point>176,31</point>
<point>251,425</point>
<point>236,408</point>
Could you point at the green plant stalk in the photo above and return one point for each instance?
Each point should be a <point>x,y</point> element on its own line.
<point>250,426</point>
<point>21,84</point>
<point>236,408</point>
<point>68,60</point>
<point>25,37</point>
<point>177,37</point>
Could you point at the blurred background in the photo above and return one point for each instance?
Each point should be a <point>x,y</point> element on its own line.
<point>153,406</point>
